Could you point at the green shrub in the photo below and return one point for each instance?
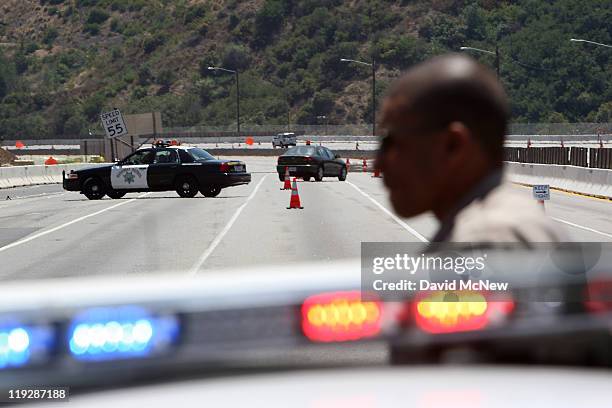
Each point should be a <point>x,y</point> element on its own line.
<point>97,16</point>
<point>50,35</point>
<point>115,25</point>
<point>92,29</point>
<point>194,13</point>
<point>151,43</point>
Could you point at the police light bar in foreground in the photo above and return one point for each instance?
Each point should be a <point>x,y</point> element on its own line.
<point>470,311</point>
<point>122,332</point>
<point>341,316</point>
<point>22,345</point>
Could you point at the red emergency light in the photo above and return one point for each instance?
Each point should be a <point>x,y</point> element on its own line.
<point>341,316</point>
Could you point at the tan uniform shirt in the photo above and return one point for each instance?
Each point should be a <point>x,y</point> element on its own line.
<point>497,212</point>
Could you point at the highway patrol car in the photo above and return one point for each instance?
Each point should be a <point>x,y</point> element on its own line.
<point>162,167</point>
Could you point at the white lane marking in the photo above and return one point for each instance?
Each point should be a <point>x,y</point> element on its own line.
<point>581,227</point>
<point>390,214</point>
<point>31,198</point>
<point>59,227</point>
<point>39,195</point>
<point>218,238</point>
<point>562,221</point>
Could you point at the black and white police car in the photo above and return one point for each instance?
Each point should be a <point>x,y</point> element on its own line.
<point>162,167</point>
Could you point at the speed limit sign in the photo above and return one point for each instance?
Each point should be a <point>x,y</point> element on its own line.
<point>113,124</point>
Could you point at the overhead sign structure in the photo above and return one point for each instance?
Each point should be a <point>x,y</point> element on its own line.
<point>541,192</point>
<point>113,124</point>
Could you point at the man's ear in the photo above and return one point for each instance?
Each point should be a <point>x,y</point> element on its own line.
<point>457,142</point>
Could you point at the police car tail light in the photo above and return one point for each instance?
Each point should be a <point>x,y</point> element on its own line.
<point>224,168</point>
<point>123,332</point>
<point>598,297</point>
<point>22,345</point>
<point>341,316</point>
<point>469,311</point>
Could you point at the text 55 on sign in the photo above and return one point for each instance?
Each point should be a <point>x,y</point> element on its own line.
<point>113,123</point>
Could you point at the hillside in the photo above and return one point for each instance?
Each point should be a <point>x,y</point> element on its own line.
<point>62,61</point>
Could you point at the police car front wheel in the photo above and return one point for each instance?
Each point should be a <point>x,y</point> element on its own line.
<point>93,188</point>
<point>114,194</point>
<point>187,186</point>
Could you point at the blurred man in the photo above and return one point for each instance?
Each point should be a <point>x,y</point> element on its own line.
<point>446,121</point>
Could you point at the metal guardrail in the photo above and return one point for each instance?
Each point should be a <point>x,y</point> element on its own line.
<point>568,156</point>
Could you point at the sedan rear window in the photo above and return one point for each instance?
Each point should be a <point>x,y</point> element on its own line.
<point>200,154</point>
<point>300,151</point>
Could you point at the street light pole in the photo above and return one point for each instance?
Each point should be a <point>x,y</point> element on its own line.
<point>495,53</point>
<point>373,66</point>
<point>373,98</point>
<point>237,105</point>
<point>497,68</point>
<point>235,72</point>
<point>591,42</point>
<point>325,118</point>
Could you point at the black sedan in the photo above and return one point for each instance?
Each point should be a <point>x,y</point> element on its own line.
<point>311,161</point>
<point>186,170</point>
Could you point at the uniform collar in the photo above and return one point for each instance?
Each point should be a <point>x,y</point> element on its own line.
<point>484,187</point>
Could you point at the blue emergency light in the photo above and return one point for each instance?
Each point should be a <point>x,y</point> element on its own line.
<point>22,345</point>
<point>121,332</point>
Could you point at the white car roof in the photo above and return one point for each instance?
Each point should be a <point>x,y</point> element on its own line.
<point>420,386</point>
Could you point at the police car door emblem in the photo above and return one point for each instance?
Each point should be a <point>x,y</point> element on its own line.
<point>128,175</point>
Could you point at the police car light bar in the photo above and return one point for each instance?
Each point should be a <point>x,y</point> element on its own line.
<point>470,311</point>
<point>121,332</point>
<point>166,143</point>
<point>341,316</point>
<point>22,345</point>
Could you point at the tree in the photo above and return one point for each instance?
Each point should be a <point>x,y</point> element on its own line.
<point>236,57</point>
<point>268,20</point>
<point>7,76</point>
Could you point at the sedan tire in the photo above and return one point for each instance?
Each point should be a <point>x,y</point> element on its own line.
<point>319,175</point>
<point>186,186</point>
<point>342,175</point>
<point>115,195</point>
<point>210,191</point>
<point>93,188</point>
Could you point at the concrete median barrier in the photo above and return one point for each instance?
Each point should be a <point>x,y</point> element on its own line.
<point>18,176</point>
<point>583,180</point>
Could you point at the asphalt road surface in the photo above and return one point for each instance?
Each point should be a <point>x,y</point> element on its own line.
<point>46,232</point>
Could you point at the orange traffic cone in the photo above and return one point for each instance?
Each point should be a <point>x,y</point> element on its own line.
<point>364,166</point>
<point>295,197</point>
<point>376,172</point>
<point>50,161</point>
<point>348,164</point>
<point>287,185</point>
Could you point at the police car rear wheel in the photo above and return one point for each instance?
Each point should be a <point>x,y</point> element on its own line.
<point>93,188</point>
<point>114,194</point>
<point>210,191</point>
<point>342,175</point>
<point>187,187</point>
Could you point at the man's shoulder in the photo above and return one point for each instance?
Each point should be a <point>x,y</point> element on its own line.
<point>506,214</point>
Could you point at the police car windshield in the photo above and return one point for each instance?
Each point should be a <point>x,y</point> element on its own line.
<point>300,151</point>
<point>200,154</point>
